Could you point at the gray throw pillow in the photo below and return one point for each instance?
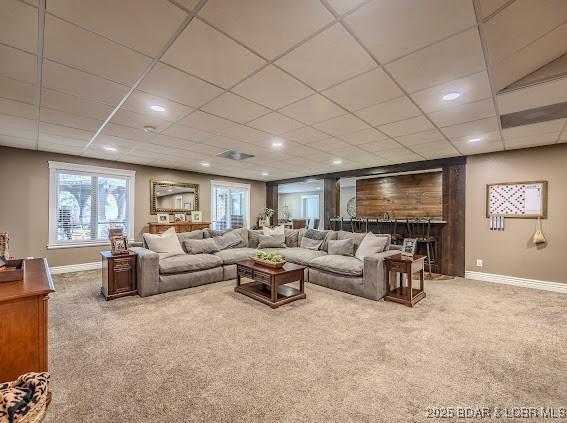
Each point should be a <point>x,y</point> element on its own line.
<point>228,240</point>
<point>184,236</point>
<point>201,246</point>
<point>343,247</point>
<point>292,238</point>
<point>370,245</point>
<point>254,238</point>
<point>311,244</point>
<point>266,241</point>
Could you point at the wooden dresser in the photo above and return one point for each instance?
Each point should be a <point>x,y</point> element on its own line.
<point>23,321</point>
<point>159,228</point>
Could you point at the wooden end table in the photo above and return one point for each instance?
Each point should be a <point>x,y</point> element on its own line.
<point>267,284</point>
<point>118,275</point>
<point>409,295</point>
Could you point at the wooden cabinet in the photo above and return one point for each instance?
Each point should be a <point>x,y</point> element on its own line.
<point>118,275</point>
<point>23,321</point>
<point>159,228</point>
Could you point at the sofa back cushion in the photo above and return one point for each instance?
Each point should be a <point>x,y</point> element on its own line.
<point>358,237</point>
<point>254,237</point>
<point>278,233</point>
<point>242,233</point>
<point>270,242</point>
<point>324,236</point>
<point>311,244</point>
<point>370,245</point>
<point>342,247</point>
<point>228,240</point>
<point>184,236</point>
<point>292,238</point>
<point>201,246</point>
<point>166,245</point>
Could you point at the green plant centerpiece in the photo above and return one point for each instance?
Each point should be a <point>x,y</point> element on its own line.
<point>269,259</point>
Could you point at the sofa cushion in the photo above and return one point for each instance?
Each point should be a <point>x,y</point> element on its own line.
<point>228,240</point>
<point>342,265</point>
<point>325,236</point>
<point>166,245</point>
<point>278,233</point>
<point>201,246</point>
<point>292,238</point>
<point>254,237</point>
<point>270,242</point>
<point>188,263</point>
<point>341,247</point>
<point>232,255</point>
<point>242,232</point>
<point>370,245</point>
<point>301,255</point>
<point>311,244</point>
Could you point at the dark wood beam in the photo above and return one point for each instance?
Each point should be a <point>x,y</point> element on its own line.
<point>330,200</point>
<point>272,201</point>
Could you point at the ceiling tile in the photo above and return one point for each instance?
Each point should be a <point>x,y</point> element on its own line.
<point>353,153</point>
<point>45,137</point>
<point>128,132</point>
<point>342,125</point>
<point>18,25</point>
<point>141,102</point>
<point>329,144</point>
<point>235,108</point>
<point>472,129</point>
<point>269,27</point>
<point>125,21</point>
<point>17,108</point>
<point>472,88</point>
<point>189,4</point>
<point>486,138</point>
<point>16,90</point>
<point>435,146</point>
<point>327,59</point>
<point>313,109</point>
<point>305,135</point>
<point>59,148</point>
<point>272,88</point>
<point>408,126</point>
<point>445,61</point>
<point>364,90</point>
<point>363,137</point>
<point>165,81</point>
<point>18,64</point>
<point>275,123</point>
<point>482,148</point>
<point>534,129</point>
<point>232,144</point>
<point>57,117</point>
<point>464,113</point>
<point>344,6</point>
<point>204,52</point>
<point>378,146</point>
<point>391,29</point>
<point>397,153</point>
<point>75,105</point>
<point>17,142</point>
<point>389,111</point>
<point>531,140</point>
<point>538,95</point>
<point>64,131</point>
<point>139,120</point>
<point>187,133</point>
<point>488,7</point>
<point>421,138</point>
<point>18,127</point>
<point>68,44</point>
<point>81,84</point>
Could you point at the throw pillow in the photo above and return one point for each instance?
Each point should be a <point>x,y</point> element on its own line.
<point>211,233</point>
<point>254,238</point>
<point>311,244</point>
<point>183,236</point>
<point>370,245</point>
<point>291,238</point>
<point>201,246</point>
<point>269,242</point>
<point>166,245</point>
<point>278,233</point>
<point>343,247</point>
<point>228,240</point>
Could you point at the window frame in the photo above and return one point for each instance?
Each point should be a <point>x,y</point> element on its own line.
<point>248,188</point>
<point>87,170</point>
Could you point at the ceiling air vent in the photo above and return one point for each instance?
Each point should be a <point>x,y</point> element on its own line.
<point>537,115</point>
<point>234,155</point>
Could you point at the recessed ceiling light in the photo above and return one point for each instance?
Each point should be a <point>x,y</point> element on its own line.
<point>337,161</point>
<point>277,143</point>
<point>157,108</point>
<point>451,96</point>
<point>265,173</point>
<point>475,139</point>
<point>107,148</point>
<point>206,164</point>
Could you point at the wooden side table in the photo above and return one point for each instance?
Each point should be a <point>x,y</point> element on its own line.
<point>118,275</point>
<point>409,295</point>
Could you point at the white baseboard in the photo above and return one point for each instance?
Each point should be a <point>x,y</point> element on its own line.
<point>512,280</point>
<point>75,267</point>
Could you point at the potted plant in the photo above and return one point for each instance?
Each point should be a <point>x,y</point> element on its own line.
<point>265,216</point>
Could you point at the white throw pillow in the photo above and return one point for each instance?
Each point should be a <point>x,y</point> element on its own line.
<point>166,245</point>
<point>370,245</point>
<point>278,233</point>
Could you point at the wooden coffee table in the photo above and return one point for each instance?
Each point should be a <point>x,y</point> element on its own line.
<point>268,283</point>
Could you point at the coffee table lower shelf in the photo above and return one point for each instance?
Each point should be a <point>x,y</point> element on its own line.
<point>263,293</point>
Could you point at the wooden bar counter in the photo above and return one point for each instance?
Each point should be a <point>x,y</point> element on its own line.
<point>23,321</point>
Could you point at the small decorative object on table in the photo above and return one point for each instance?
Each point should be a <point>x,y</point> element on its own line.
<point>119,245</point>
<point>196,216</point>
<point>179,217</point>
<point>268,259</point>
<point>163,217</point>
<point>11,270</point>
<point>4,244</point>
<point>409,246</point>
<point>112,232</point>
<point>265,217</point>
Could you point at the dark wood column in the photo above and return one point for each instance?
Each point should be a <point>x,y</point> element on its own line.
<point>453,233</point>
<point>330,200</point>
<point>272,200</point>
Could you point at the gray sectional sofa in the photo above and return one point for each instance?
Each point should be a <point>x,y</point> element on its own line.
<point>364,278</point>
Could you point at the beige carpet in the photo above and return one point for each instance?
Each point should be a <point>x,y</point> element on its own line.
<point>208,354</point>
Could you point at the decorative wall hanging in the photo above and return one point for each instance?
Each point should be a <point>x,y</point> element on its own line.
<point>517,199</point>
<point>539,238</point>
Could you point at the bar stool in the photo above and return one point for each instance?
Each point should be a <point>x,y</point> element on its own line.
<point>420,229</point>
<point>396,237</point>
<point>356,225</point>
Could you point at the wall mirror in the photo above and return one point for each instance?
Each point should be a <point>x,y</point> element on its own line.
<point>173,197</point>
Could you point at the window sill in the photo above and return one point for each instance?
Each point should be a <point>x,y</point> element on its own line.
<point>81,245</point>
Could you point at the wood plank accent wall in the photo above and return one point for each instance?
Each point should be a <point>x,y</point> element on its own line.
<point>402,196</point>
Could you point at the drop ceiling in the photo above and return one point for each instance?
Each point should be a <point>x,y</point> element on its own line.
<point>305,86</point>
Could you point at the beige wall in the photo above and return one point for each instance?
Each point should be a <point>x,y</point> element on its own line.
<point>511,252</point>
<point>346,194</point>
<point>24,192</point>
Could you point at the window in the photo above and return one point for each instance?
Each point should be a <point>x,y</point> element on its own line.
<point>86,201</point>
<point>230,205</point>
